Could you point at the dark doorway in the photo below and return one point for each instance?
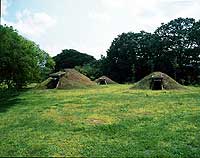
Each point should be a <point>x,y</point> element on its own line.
<point>55,77</point>
<point>53,83</point>
<point>157,83</point>
<point>102,82</point>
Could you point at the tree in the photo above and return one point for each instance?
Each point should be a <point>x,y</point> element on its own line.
<point>179,40</point>
<point>22,61</point>
<point>70,58</point>
<point>130,54</point>
<point>194,60</point>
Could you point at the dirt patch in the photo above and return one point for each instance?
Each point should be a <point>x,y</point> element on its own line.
<point>55,115</point>
<point>96,121</point>
<point>141,111</point>
<point>145,113</point>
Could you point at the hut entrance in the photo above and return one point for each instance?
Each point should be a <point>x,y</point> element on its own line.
<point>55,80</point>
<point>157,83</point>
<point>53,84</point>
<point>102,81</point>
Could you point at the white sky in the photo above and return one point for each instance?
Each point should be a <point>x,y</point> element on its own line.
<point>89,26</point>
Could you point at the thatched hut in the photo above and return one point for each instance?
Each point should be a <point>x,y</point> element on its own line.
<point>157,81</point>
<point>103,80</point>
<point>67,79</point>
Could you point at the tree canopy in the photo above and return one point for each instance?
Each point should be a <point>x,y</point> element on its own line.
<point>174,48</point>
<point>70,58</point>
<point>22,61</point>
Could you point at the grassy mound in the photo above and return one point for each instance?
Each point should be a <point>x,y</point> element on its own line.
<point>74,79</point>
<point>168,82</point>
<point>70,79</point>
<point>108,80</point>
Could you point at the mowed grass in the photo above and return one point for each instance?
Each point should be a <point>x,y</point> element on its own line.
<point>100,121</point>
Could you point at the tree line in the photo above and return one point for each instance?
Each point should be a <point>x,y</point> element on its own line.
<point>173,48</point>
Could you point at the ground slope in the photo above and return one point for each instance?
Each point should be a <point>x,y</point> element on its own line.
<point>101,121</point>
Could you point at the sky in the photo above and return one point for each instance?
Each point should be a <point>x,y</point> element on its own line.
<point>89,26</point>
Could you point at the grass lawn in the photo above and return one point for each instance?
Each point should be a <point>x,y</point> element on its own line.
<point>101,121</point>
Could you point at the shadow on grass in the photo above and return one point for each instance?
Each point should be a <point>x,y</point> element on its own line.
<point>9,98</point>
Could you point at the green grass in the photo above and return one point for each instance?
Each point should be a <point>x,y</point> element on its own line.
<point>100,121</point>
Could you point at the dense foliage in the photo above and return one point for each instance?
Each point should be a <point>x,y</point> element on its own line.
<point>21,60</point>
<point>70,58</point>
<point>174,48</point>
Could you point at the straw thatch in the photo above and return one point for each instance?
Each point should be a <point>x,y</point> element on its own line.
<point>167,82</point>
<point>104,80</point>
<point>67,79</point>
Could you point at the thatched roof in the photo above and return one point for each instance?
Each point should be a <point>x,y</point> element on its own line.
<point>167,82</point>
<point>68,79</point>
<point>57,74</point>
<point>106,79</point>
